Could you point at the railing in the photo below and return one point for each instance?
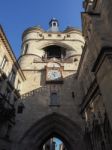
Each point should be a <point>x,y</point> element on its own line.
<point>33,92</point>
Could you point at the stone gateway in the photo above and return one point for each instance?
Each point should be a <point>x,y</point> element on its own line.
<point>60,86</point>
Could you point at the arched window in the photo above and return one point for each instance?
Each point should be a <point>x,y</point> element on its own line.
<point>55,51</point>
<point>54,99</point>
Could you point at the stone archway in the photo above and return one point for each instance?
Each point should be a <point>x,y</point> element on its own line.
<point>57,43</point>
<point>53,125</point>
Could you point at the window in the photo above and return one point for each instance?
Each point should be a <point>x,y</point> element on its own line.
<point>54,24</point>
<point>40,35</point>
<point>54,99</point>
<point>26,48</point>
<point>8,94</point>
<point>68,35</point>
<point>18,85</point>
<point>49,35</point>
<point>4,62</point>
<point>59,35</point>
<point>73,95</point>
<point>55,51</point>
<point>20,107</point>
<point>15,99</point>
<point>75,59</point>
<point>12,76</point>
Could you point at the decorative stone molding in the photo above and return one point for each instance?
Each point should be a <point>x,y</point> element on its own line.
<point>90,96</point>
<point>104,53</point>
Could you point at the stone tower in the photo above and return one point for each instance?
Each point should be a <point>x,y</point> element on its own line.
<point>54,25</point>
<point>49,61</point>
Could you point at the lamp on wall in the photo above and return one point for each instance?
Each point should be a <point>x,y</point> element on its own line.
<point>73,95</point>
<point>20,108</point>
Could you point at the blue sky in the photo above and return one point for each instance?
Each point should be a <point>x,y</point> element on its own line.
<point>17,15</point>
<point>58,142</point>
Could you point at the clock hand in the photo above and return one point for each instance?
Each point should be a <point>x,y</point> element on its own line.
<point>54,74</point>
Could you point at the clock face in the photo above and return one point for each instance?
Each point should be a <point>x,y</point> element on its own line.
<point>53,75</point>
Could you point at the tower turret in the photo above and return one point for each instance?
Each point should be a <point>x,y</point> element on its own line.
<point>54,25</point>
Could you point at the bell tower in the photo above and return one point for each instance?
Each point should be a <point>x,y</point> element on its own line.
<point>49,61</point>
<point>54,25</point>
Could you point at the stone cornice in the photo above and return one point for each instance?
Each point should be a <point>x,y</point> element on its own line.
<point>41,57</point>
<point>105,52</point>
<point>30,55</point>
<point>36,70</point>
<point>86,21</point>
<point>10,51</point>
<point>93,91</point>
<point>81,59</point>
<point>65,39</point>
<point>41,31</point>
<point>91,3</point>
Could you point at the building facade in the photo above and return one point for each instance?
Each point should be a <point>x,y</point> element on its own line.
<point>49,61</point>
<point>11,78</point>
<point>64,82</point>
<point>94,74</point>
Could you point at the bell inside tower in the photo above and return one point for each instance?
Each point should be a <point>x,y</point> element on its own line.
<point>55,52</point>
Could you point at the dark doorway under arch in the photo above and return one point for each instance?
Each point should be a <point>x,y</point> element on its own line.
<point>53,125</point>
